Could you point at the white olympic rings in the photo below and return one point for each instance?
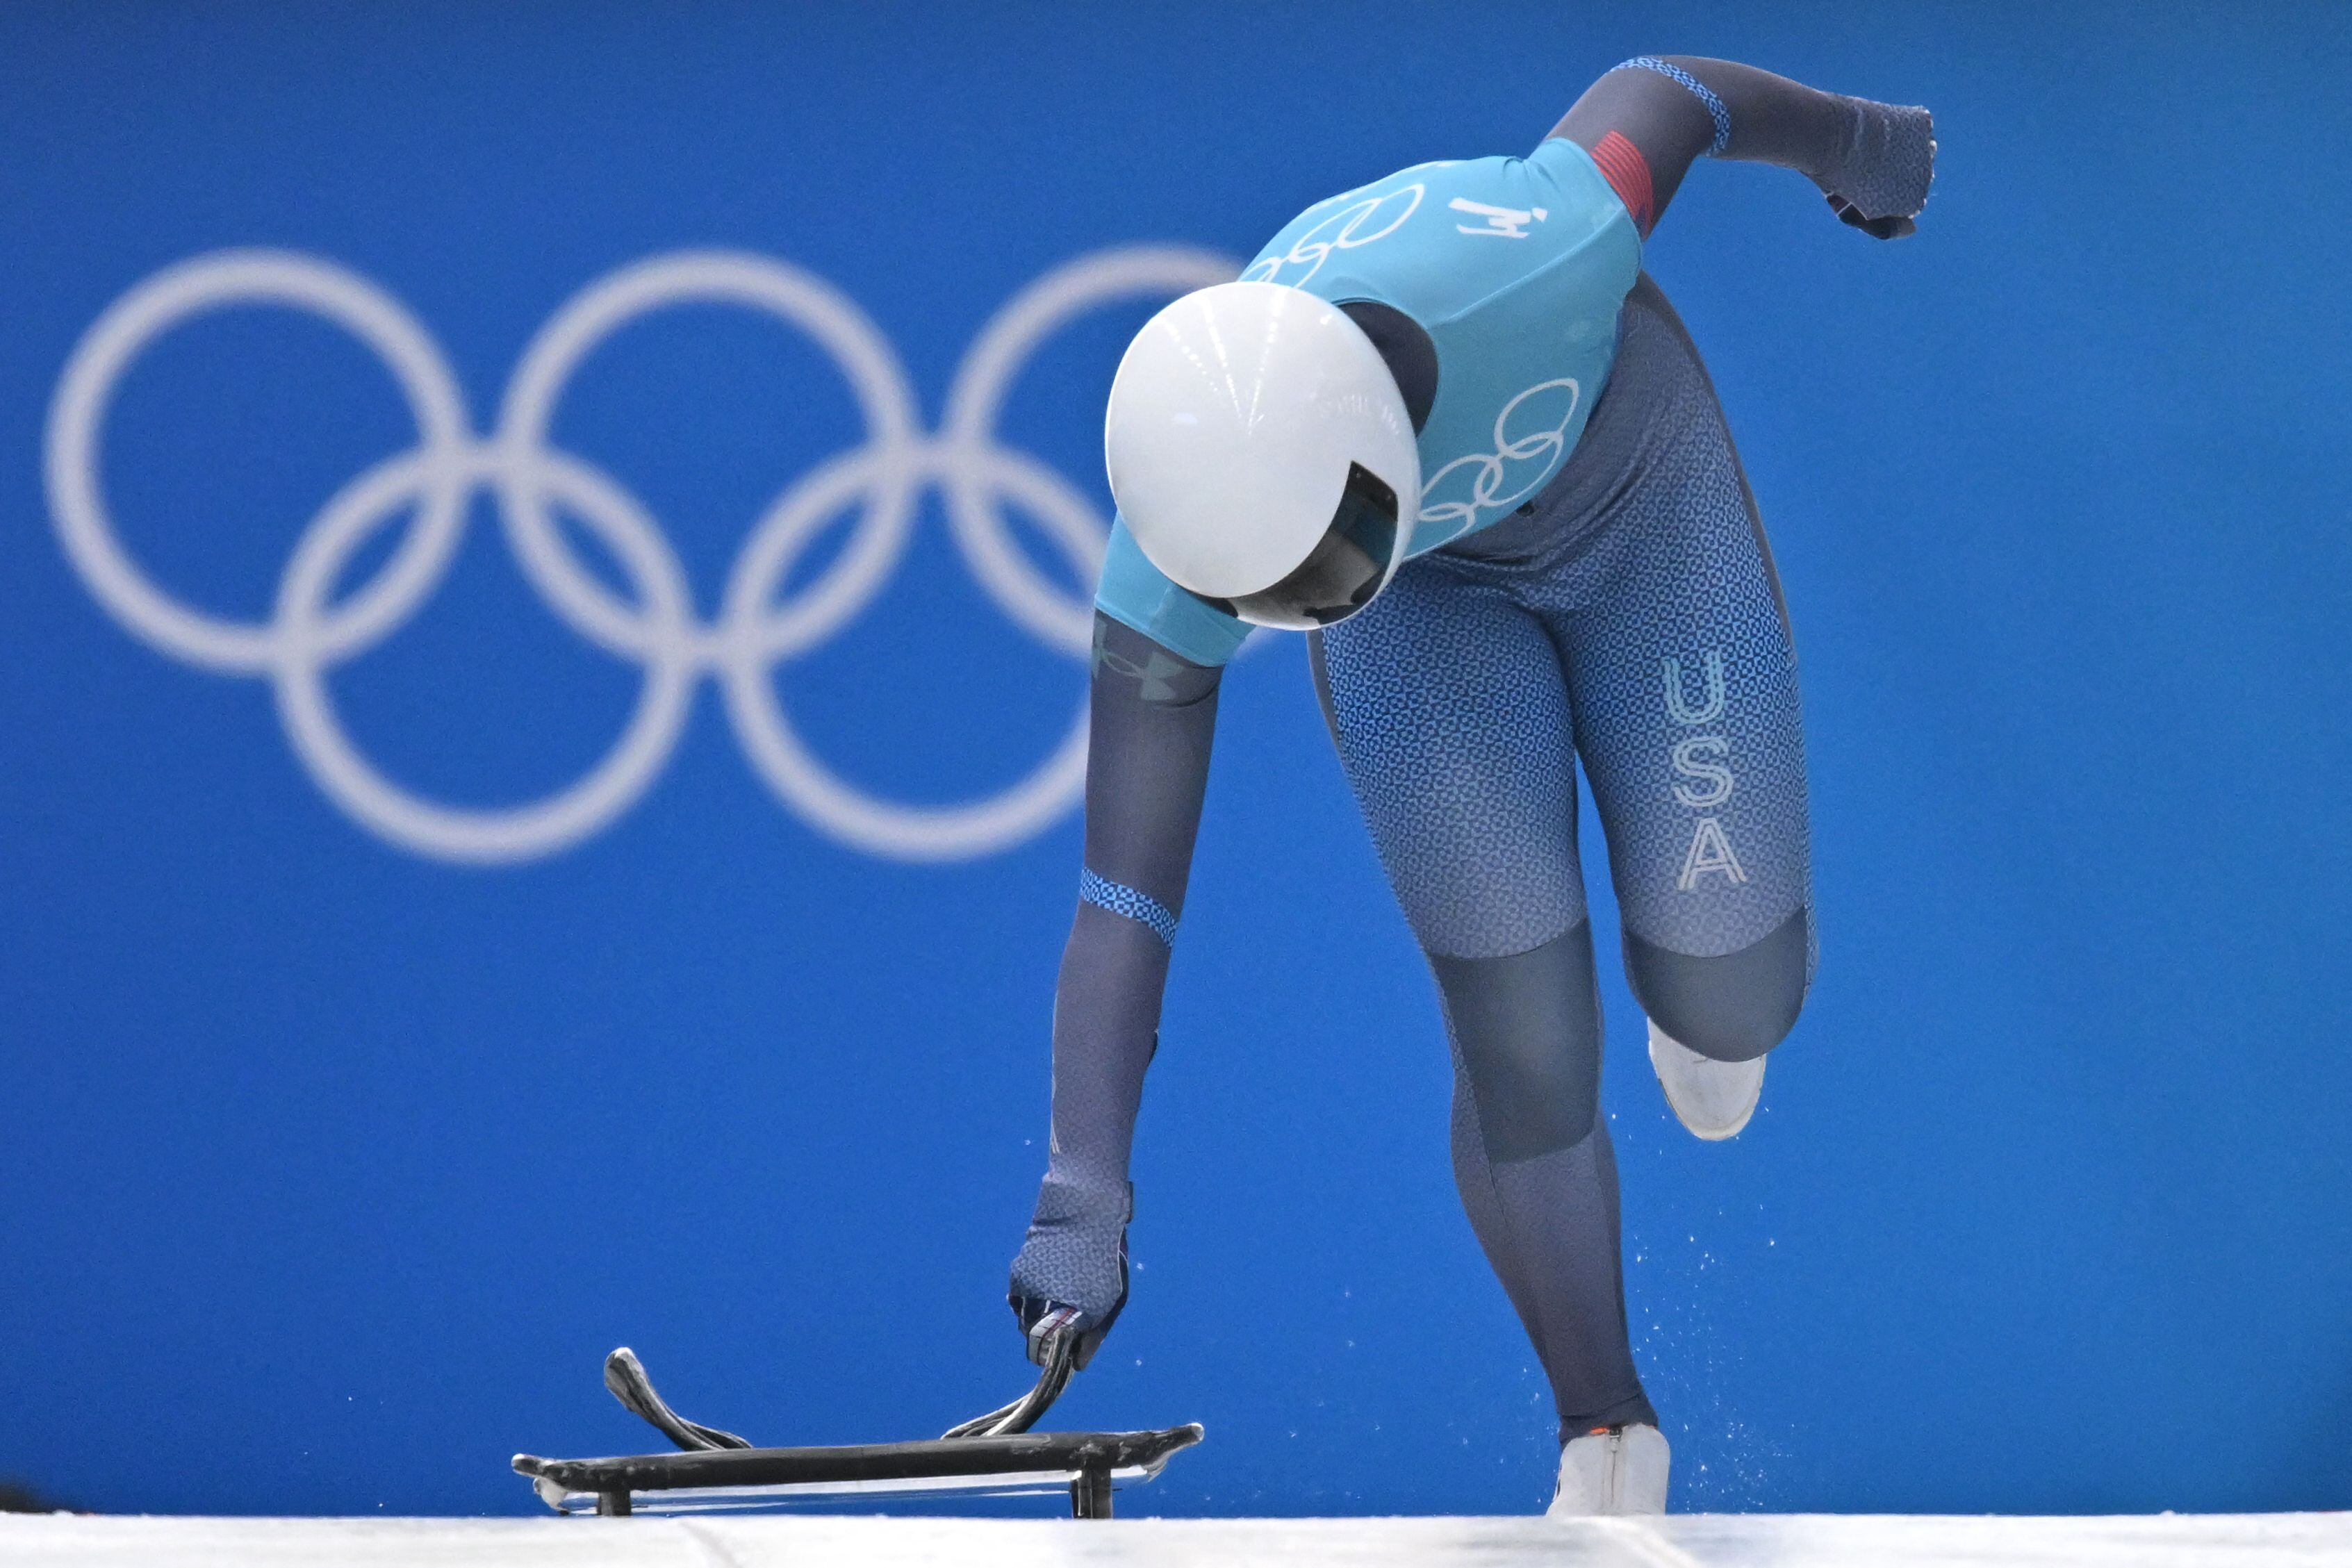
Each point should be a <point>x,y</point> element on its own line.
<point>1347,229</point>
<point>432,483</point>
<point>1535,451</point>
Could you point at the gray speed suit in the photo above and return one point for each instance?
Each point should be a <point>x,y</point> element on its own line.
<point>1627,615</point>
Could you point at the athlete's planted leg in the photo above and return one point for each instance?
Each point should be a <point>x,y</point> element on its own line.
<point>1535,1167</point>
<point>1448,704</point>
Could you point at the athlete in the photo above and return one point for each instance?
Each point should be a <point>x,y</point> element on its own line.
<point>1446,425</point>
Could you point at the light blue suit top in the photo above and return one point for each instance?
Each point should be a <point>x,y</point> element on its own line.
<point>1515,267</point>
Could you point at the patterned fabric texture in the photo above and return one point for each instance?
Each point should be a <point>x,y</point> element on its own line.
<point>1141,907</point>
<point>1076,1251</point>
<point>1892,161</point>
<point>1715,108</point>
<point>1634,621</point>
<point>1629,618</point>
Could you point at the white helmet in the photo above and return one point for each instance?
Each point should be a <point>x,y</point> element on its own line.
<point>1260,453</point>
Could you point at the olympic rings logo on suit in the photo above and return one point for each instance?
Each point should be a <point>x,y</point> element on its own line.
<point>311,632</point>
<point>1343,230</point>
<point>1535,450</point>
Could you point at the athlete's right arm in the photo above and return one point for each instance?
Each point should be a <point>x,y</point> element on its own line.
<point>1646,122</point>
<point>1154,713</point>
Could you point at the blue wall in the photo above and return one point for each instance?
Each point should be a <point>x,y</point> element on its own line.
<point>330,1165</point>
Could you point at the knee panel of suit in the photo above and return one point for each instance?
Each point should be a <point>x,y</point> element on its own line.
<point>1528,1029</point>
<point>1734,1007</point>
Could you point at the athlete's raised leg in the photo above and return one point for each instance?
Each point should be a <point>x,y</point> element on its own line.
<point>1682,677</point>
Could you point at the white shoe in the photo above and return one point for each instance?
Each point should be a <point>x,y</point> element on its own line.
<point>1713,1098</point>
<point>1620,1470</point>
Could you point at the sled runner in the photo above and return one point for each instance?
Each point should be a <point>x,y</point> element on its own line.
<point>993,1455</point>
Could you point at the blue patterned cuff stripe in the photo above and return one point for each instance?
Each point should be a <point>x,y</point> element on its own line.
<point>1715,107</point>
<point>1119,899</point>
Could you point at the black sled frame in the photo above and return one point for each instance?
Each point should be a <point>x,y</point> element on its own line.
<point>992,1455</point>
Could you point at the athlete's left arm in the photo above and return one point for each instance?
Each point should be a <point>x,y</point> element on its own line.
<point>1647,121</point>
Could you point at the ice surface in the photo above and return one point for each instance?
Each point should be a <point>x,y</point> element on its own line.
<point>1695,1540</point>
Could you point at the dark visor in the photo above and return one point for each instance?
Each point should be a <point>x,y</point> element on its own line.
<point>1342,573</point>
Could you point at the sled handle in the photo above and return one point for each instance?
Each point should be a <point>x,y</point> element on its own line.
<point>1061,1356</point>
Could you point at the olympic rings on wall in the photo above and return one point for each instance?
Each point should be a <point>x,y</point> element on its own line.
<point>310,632</point>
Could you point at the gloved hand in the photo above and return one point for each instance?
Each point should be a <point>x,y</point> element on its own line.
<point>1071,1275</point>
<point>1881,184</point>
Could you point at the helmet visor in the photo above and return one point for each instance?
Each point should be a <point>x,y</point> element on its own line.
<point>1341,573</point>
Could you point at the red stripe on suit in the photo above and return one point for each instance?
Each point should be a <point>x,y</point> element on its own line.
<point>1628,173</point>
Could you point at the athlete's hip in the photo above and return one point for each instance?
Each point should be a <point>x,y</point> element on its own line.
<point>1655,456</point>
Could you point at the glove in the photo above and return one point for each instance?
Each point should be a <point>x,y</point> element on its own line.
<point>1881,184</point>
<point>1071,1275</point>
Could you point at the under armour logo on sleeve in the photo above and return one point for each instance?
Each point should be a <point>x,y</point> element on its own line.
<point>1156,672</point>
